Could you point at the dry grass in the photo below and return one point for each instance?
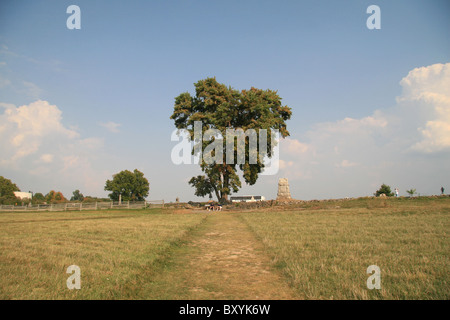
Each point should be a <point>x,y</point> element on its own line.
<point>117,251</point>
<point>221,261</point>
<point>321,249</point>
<point>324,253</point>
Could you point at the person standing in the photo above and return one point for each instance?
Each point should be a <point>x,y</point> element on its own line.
<point>396,192</point>
<point>442,190</point>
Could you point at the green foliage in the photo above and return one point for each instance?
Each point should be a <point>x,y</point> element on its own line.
<point>131,185</point>
<point>220,107</point>
<point>95,199</point>
<point>38,198</point>
<point>384,189</point>
<point>77,196</point>
<point>203,186</point>
<point>411,192</point>
<point>7,189</point>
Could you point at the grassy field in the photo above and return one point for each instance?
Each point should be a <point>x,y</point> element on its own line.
<point>117,252</point>
<point>324,252</point>
<point>321,250</point>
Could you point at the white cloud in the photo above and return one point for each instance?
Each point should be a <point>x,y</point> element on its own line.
<point>47,158</point>
<point>348,127</point>
<point>428,90</point>
<point>346,164</point>
<point>36,145</point>
<point>294,147</point>
<point>432,79</point>
<point>390,144</point>
<point>28,127</point>
<point>111,126</point>
<point>285,164</point>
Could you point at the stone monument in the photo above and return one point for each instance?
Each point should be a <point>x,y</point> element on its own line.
<point>283,190</point>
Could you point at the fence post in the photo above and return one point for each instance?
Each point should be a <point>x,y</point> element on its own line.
<point>128,204</point>
<point>111,204</point>
<point>51,207</point>
<point>145,204</point>
<point>96,205</point>
<point>65,206</point>
<point>81,206</point>
<point>163,203</point>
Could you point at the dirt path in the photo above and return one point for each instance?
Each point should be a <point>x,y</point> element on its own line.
<point>224,260</point>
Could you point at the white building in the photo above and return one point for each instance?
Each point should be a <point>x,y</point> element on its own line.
<point>247,198</point>
<point>23,195</point>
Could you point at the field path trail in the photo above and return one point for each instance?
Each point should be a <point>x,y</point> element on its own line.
<point>223,260</point>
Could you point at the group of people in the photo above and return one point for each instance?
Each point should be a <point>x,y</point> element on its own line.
<point>396,192</point>
<point>213,207</point>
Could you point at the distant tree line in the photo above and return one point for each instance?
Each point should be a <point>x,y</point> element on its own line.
<point>7,196</point>
<point>124,186</point>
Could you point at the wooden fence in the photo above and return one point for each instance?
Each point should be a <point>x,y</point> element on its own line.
<point>79,206</point>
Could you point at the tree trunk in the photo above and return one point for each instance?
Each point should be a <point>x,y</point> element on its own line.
<point>225,185</point>
<point>218,195</point>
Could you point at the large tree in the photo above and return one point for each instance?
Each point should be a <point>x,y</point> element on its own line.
<point>127,185</point>
<point>220,108</point>
<point>7,188</point>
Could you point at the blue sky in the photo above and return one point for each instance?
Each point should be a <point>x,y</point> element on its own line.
<point>98,100</point>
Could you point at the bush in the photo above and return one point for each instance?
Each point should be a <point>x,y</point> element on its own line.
<point>384,189</point>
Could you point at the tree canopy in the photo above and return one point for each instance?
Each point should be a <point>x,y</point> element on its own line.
<point>38,198</point>
<point>220,107</point>
<point>77,196</point>
<point>55,197</point>
<point>7,188</point>
<point>131,186</point>
<point>384,189</point>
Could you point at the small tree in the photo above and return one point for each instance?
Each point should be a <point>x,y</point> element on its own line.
<point>127,185</point>
<point>38,198</point>
<point>384,189</point>
<point>411,192</point>
<point>55,197</point>
<point>77,196</point>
